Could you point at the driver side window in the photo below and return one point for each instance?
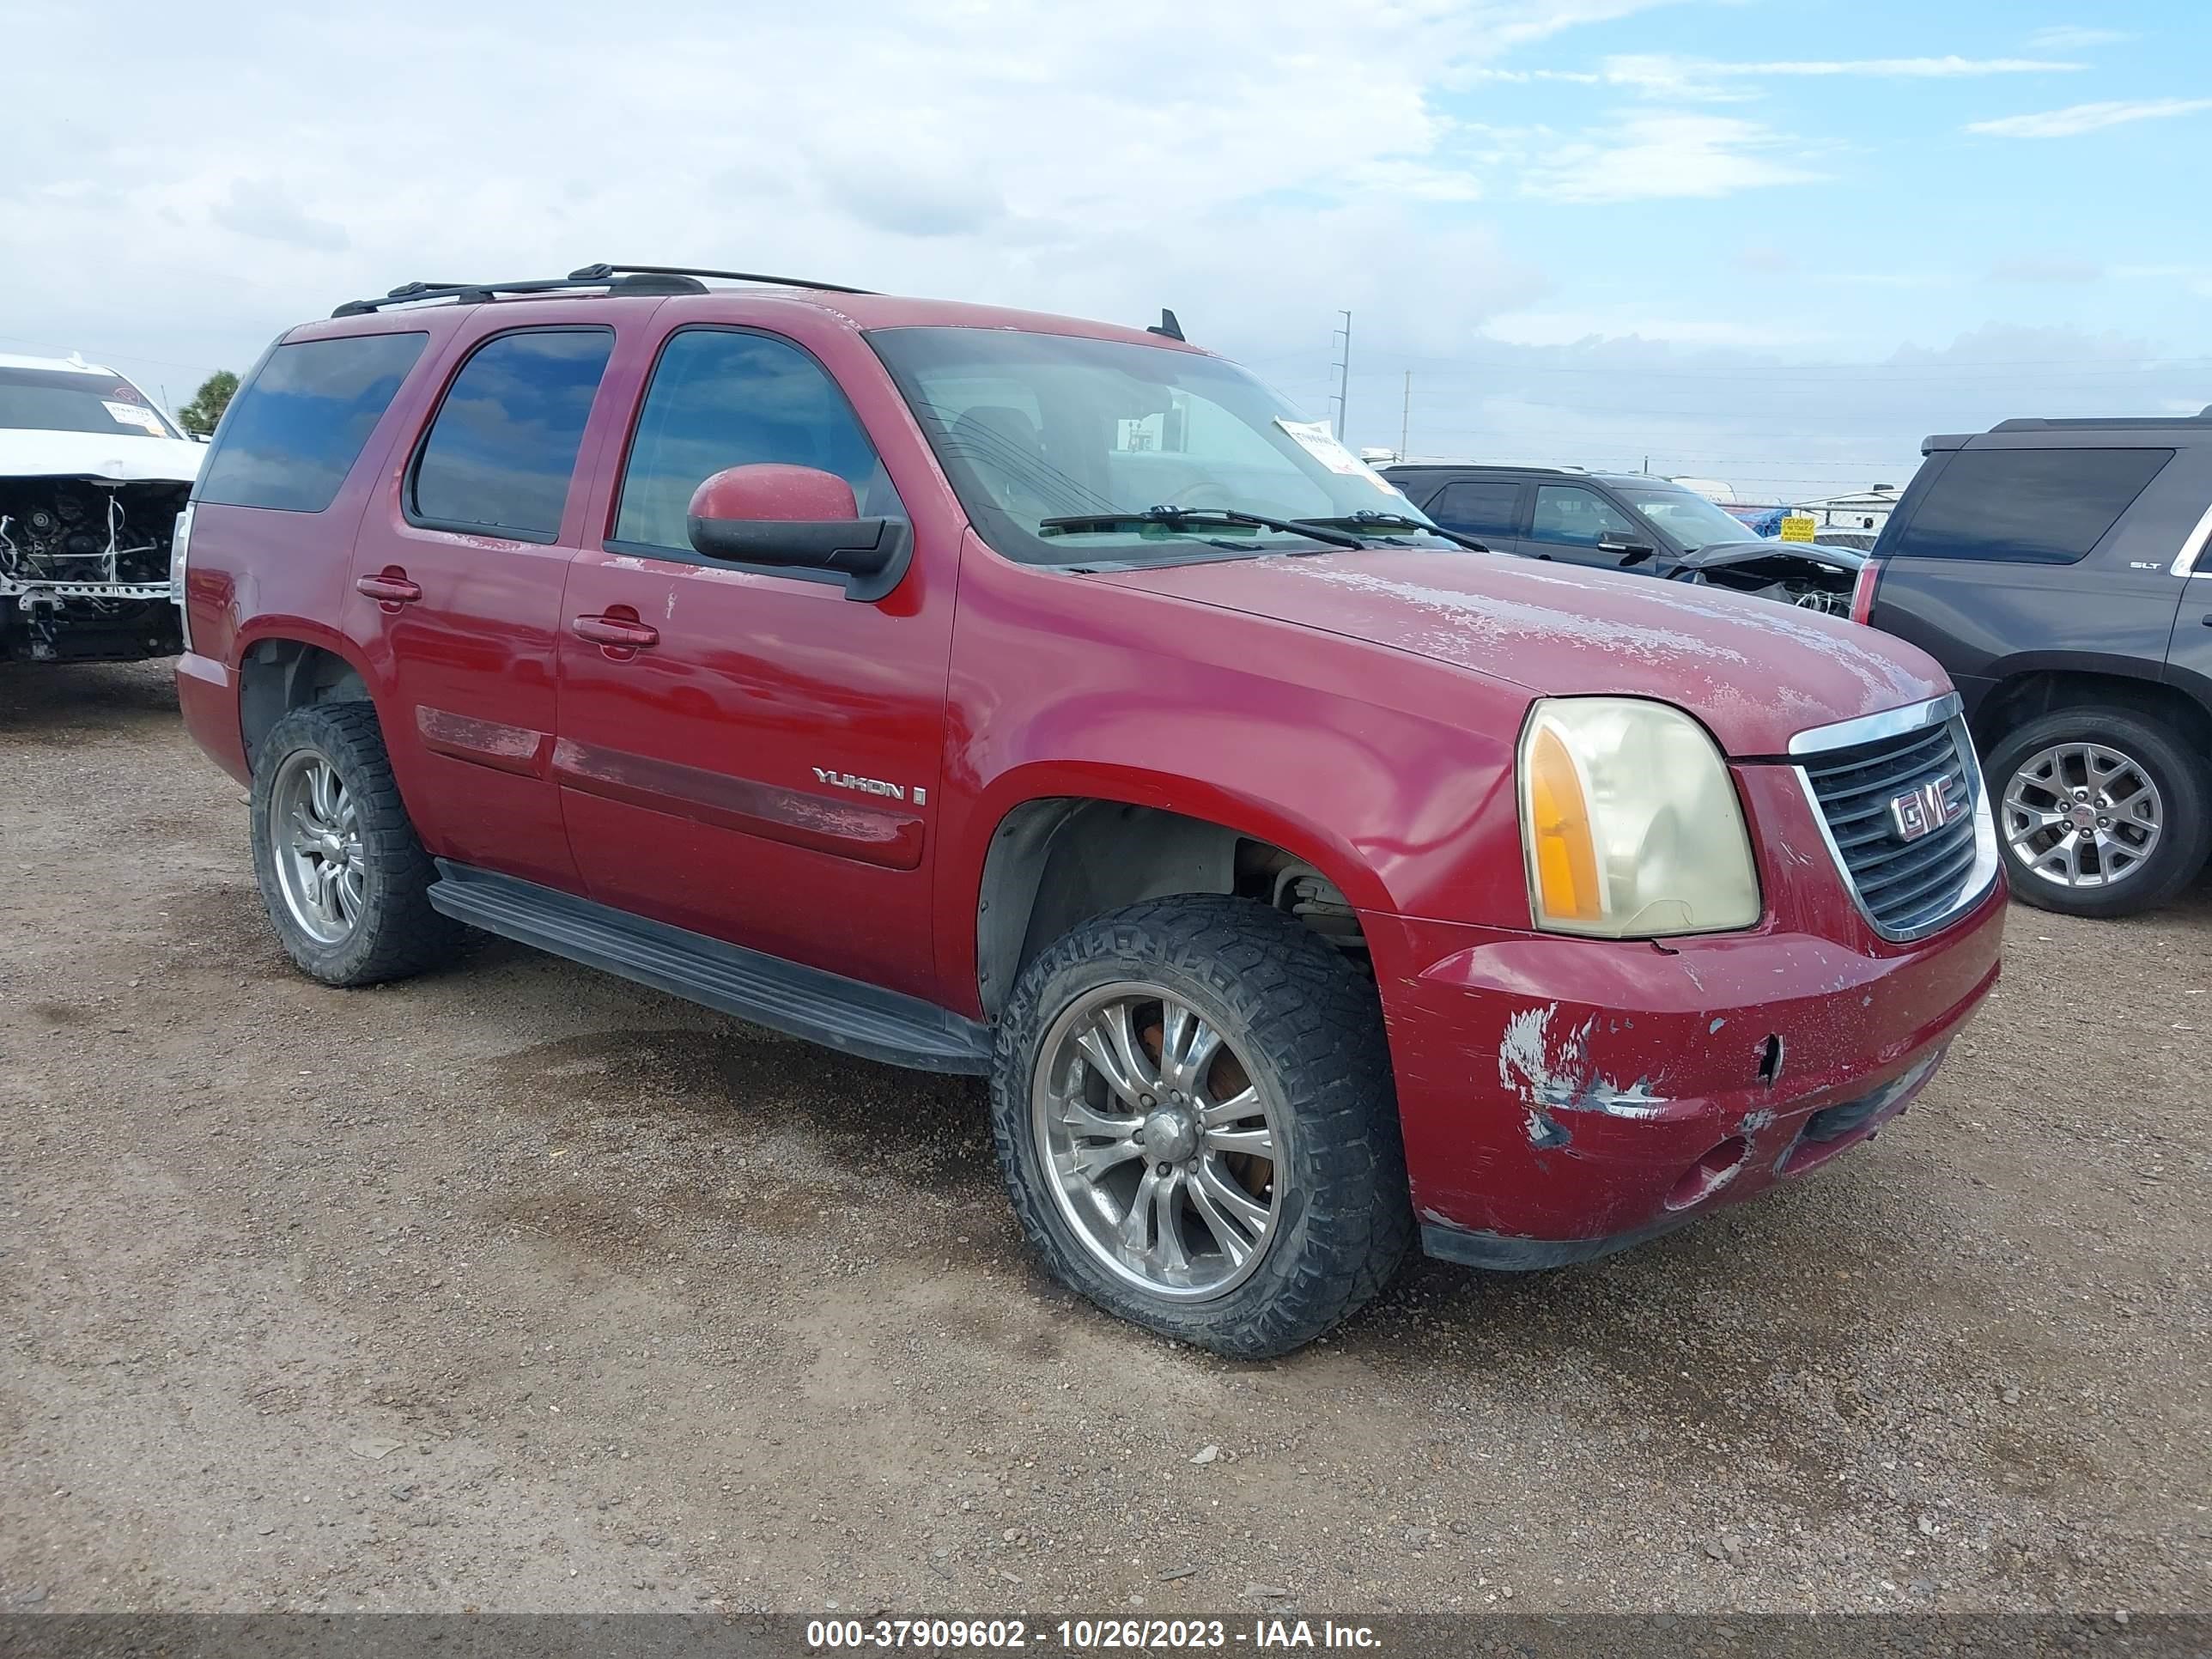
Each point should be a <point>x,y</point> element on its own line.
<point>721,397</point>
<point>1571,516</point>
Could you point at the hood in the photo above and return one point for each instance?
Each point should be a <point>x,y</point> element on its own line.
<point>1754,548</point>
<point>39,454</point>
<point>1755,672</point>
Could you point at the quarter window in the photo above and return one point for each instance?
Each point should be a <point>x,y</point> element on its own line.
<point>1478,508</point>
<point>503,447</point>
<point>1577,517</point>
<point>294,430</point>
<point>721,399</point>
<point>2027,506</point>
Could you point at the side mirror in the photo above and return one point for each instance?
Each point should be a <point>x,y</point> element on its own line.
<point>798,518</point>
<point>1632,552</point>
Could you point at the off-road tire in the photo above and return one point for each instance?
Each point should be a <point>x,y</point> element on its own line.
<point>2185,781</point>
<point>1307,1025</point>
<point>397,934</point>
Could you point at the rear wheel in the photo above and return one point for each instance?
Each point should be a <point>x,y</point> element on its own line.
<point>2101,810</point>
<point>1192,1105</point>
<point>345,881</point>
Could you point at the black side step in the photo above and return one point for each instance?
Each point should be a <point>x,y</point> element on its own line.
<point>802,1002</point>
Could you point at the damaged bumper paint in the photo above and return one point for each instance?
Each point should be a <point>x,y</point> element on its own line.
<point>1563,1098</point>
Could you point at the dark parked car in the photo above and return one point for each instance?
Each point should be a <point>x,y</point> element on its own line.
<point>2059,570</point>
<point>1625,521</point>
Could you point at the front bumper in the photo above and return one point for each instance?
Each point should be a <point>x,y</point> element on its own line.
<point>1562,1099</point>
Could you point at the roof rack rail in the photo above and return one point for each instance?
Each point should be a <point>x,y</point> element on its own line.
<point>470,294</point>
<point>600,273</point>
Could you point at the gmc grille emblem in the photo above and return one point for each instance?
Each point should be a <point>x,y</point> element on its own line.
<point>1923,810</point>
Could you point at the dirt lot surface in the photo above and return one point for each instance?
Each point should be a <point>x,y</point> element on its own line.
<point>520,1287</point>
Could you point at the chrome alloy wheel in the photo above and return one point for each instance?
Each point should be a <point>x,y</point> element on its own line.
<point>2081,815</point>
<point>315,833</point>
<point>1162,1152</point>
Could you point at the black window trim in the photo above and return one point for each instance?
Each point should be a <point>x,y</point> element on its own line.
<point>493,531</point>
<point>611,543</point>
<point>368,438</point>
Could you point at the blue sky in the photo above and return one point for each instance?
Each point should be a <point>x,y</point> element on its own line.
<point>1775,241</point>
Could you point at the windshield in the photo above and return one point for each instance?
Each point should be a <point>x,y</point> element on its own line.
<point>1686,516</point>
<point>1037,428</point>
<point>69,400</point>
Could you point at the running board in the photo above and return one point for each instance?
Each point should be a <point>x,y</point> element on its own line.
<point>784,996</point>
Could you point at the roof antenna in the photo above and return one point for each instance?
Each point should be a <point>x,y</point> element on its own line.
<point>1167,326</point>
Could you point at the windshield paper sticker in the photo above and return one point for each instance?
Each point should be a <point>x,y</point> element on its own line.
<point>1318,442</point>
<point>136,415</point>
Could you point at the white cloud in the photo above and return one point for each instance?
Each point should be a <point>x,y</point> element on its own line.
<point>2067,37</point>
<point>1660,72</point>
<point>2076,118</point>
<point>1098,159</point>
<point>1647,156</point>
<point>2045,268</point>
<point>1628,322</point>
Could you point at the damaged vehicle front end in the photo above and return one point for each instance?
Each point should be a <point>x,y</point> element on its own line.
<point>1813,576</point>
<point>92,480</point>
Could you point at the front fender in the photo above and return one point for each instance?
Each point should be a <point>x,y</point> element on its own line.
<point>1391,775</point>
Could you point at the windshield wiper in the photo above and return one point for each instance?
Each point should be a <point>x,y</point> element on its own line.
<point>1368,518</point>
<point>1178,518</point>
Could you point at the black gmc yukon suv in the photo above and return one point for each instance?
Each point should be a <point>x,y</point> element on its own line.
<point>2060,570</point>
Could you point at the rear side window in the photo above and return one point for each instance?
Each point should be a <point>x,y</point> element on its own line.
<point>294,432</point>
<point>500,453</point>
<point>721,398</point>
<point>1489,508</point>
<point>2026,506</point>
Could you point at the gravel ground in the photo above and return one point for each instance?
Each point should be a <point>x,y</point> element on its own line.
<point>517,1287</point>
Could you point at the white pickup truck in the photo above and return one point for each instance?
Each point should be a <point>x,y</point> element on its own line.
<point>92,478</point>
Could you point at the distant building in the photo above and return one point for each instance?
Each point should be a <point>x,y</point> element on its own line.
<point>1865,510</point>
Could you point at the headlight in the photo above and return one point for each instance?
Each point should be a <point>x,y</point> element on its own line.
<point>1630,823</point>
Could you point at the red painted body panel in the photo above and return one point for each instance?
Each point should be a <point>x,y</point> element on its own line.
<point>688,770</point>
<point>1753,671</point>
<point>1557,1088</point>
<point>758,757</point>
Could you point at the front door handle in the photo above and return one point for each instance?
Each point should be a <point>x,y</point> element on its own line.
<point>622,632</point>
<point>390,588</point>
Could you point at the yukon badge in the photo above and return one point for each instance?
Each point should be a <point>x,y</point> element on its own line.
<point>866,785</point>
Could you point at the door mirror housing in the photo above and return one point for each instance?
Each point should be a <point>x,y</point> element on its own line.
<point>798,518</point>
<point>1631,552</point>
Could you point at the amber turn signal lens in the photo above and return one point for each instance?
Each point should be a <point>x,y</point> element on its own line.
<point>1566,856</point>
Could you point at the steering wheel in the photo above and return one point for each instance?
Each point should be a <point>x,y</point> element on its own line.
<point>1205,493</point>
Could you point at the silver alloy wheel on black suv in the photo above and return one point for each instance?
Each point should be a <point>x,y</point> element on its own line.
<point>2103,810</point>
<point>1193,1107</point>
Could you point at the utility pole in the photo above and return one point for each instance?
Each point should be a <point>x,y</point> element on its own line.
<point>1343,367</point>
<point>1406,415</point>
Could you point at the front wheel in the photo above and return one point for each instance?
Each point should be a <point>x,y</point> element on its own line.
<point>1193,1106</point>
<point>2102,811</point>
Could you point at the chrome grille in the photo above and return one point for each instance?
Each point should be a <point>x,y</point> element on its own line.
<point>1907,888</point>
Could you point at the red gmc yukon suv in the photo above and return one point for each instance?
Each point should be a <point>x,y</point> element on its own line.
<point>980,691</point>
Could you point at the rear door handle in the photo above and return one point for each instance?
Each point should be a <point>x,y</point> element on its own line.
<point>617,631</point>
<point>390,589</point>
